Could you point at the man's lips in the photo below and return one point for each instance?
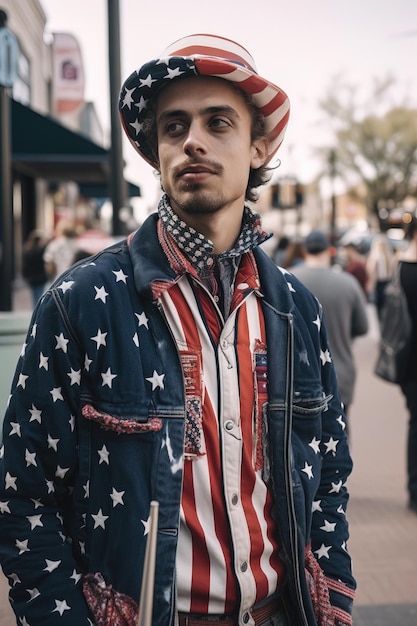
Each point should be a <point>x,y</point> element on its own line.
<point>196,171</point>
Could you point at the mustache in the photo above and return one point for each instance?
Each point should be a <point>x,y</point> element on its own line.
<point>196,164</point>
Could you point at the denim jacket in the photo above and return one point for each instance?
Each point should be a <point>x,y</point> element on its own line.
<point>94,432</point>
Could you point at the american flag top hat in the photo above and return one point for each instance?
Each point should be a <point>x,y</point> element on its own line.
<point>200,55</point>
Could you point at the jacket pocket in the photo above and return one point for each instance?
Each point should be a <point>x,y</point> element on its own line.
<point>310,407</point>
<point>121,425</point>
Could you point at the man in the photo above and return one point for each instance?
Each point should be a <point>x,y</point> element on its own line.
<point>181,367</point>
<point>344,307</point>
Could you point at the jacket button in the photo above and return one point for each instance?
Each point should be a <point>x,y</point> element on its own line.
<point>244,566</point>
<point>235,499</point>
<point>245,618</point>
<point>229,425</point>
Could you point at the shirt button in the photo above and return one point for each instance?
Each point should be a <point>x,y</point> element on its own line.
<point>244,566</point>
<point>235,499</point>
<point>229,425</point>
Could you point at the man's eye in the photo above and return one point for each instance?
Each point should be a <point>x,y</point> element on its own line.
<point>219,122</point>
<point>174,127</point>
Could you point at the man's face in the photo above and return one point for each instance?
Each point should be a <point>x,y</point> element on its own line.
<point>204,146</point>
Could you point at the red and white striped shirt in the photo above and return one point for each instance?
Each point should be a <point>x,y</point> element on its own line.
<point>228,542</point>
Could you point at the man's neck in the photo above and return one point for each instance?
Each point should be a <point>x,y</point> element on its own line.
<point>221,228</point>
<point>318,260</point>
<point>222,233</point>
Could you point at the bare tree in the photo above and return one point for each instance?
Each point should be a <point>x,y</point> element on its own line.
<point>374,141</point>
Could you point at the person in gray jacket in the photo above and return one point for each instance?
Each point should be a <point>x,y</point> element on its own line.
<point>181,366</point>
<point>344,308</point>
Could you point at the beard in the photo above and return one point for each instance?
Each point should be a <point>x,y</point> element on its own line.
<point>193,199</point>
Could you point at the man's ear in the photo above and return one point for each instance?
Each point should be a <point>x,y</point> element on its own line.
<point>259,153</point>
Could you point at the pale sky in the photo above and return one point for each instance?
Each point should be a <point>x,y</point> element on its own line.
<point>300,45</point>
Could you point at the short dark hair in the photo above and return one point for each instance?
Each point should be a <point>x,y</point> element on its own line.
<point>261,175</point>
<point>257,177</point>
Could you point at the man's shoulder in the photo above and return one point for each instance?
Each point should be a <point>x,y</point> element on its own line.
<point>334,273</point>
<point>307,270</point>
<point>313,275</point>
<point>109,265</point>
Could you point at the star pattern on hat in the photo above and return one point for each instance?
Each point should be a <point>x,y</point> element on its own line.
<point>134,99</point>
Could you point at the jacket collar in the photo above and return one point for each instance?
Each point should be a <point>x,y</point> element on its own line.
<point>153,273</point>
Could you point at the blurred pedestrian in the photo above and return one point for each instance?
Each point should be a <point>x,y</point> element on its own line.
<point>294,254</point>
<point>408,278</point>
<point>280,250</point>
<point>60,251</point>
<point>80,254</point>
<point>33,264</point>
<point>379,266</point>
<point>356,265</point>
<point>344,307</point>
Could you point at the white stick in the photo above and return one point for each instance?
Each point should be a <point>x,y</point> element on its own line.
<point>148,576</point>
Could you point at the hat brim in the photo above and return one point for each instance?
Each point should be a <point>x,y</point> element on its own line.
<point>143,85</point>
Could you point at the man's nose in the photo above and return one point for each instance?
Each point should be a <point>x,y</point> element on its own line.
<point>195,141</point>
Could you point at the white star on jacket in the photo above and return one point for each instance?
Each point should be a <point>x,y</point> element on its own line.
<point>15,429</point>
<point>101,294</point>
<point>157,380</point>
<point>99,519</point>
<point>35,414</point>
<point>61,343</point>
<point>315,444</point>
<point>34,521</point>
<point>325,357</point>
<point>117,497</point>
<point>104,455</point>
<point>323,551</point>
<point>61,606</point>
<point>142,319</point>
<point>120,276</point>
<point>100,338</point>
<point>107,377</point>
<point>65,285</point>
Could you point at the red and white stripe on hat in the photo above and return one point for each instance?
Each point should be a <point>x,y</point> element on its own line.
<point>211,46</point>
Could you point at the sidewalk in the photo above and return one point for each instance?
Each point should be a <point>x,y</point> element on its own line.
<point>383,541</point>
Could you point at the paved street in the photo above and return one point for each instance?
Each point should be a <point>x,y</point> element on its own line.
<point>383,540</point>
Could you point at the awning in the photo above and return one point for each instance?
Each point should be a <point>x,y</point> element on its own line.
<point>97,190</point>
<point>44,148</point>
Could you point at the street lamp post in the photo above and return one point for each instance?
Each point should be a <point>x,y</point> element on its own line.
<point>6,249</point>
<point>8,71</point>
<point>118,191</point>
